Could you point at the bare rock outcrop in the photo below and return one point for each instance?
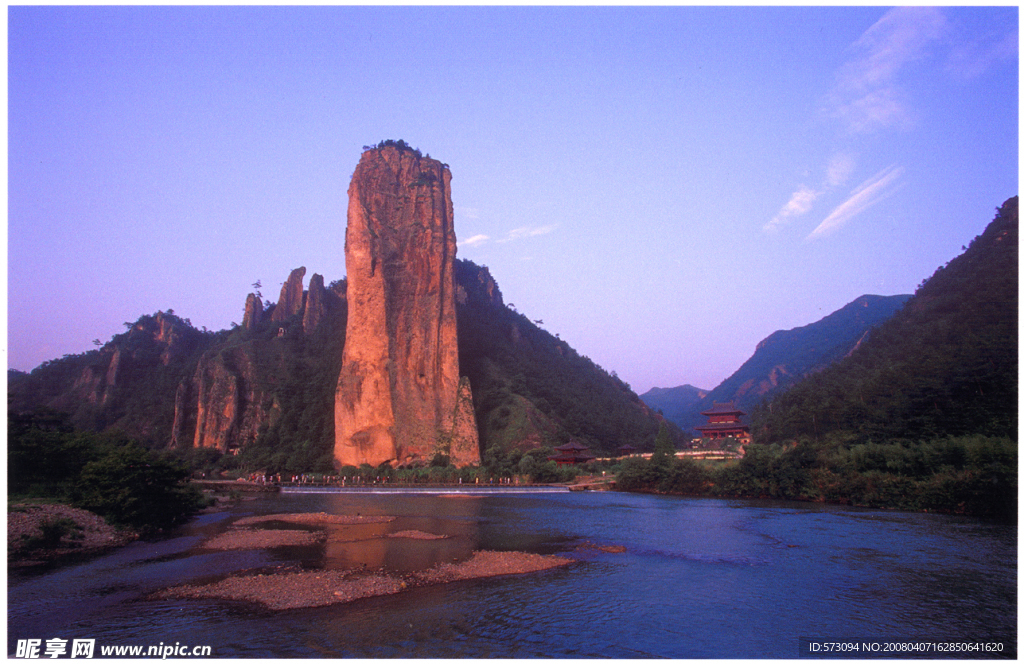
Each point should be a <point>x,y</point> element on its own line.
<point>316,304</point>
<point>290,302</point>
<point>230,405</point>
<point>398,395</point>
<point>253,312</point>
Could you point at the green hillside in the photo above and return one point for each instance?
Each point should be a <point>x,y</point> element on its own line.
<point>532,389</point>
<point>946,364</point>
<point>677,404</point>
<point>921,416</point>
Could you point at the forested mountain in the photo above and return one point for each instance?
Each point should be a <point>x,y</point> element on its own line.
<point>275,376</point>
<point>945,365</point>
<point>127,385</point>
<point>533,389</point>
<point>921,416</point>
<point>677,404</point>
<point>781,360</point>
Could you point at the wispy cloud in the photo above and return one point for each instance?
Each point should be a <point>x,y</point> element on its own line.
<point>523,232</point>
<point>800,202</point>
<point>515,234</point>
<point>970,59</point>
<point>475,240</point>
<point>864,196</point>
<point>867,95</point>
<point>840,167</point>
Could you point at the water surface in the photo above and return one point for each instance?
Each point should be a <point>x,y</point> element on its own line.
<point>699,578</point>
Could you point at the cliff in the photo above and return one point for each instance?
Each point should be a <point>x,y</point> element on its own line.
<point>398,394</point>
<point>269,371</point>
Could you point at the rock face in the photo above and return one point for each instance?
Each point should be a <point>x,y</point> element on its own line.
<point>316,306</point>
<point>230,407</point>
<point>399,397</point>
<point>253,312</point>
<point>290,302</point>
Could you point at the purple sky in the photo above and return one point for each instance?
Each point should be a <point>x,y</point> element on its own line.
<point>663,187</point>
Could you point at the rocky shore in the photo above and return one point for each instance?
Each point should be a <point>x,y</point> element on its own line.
<point>40,533</point>
<point>312,518</point>
<point>262,539</point>
<point>317,588</point>
<point>291,588</point>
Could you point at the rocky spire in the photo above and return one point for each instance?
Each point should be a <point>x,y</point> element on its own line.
<point>290,301</point>
<point>399,396</point>
<point>316,304</point>
<point>253,312</point>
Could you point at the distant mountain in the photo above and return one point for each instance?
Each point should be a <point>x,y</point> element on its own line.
<point>675,403</point>
<point>783,359</point>
<point>945,365</point>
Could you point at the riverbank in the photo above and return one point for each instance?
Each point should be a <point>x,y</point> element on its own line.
<point>39,533</point>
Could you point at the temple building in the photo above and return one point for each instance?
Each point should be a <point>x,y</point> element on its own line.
<point>571,453</point>
<point>724,422</point>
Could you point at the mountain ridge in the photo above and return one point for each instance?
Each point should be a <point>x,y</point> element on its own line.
<point>782,359</point>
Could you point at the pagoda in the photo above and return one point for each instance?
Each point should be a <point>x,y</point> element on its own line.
<point>571,453</point>
<point>724,422</point>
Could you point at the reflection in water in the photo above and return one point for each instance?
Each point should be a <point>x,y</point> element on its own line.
<point>699,578</point>
<point>453,520</point>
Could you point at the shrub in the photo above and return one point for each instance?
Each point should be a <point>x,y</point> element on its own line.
<point>128,486</point>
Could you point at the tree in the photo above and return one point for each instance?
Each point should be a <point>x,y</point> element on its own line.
<point>664,449</point>
<point>129,486</point>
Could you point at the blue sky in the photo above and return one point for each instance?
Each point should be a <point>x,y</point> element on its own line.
<point>663,187</point>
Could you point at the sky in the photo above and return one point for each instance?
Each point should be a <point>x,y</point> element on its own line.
<point>661,187</point>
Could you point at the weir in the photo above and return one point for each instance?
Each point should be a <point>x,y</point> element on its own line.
<point>439,490</point>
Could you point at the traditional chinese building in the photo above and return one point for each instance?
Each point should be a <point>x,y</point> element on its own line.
<point>724,422</point>
<point>571,453</point>
<point>627,450</point>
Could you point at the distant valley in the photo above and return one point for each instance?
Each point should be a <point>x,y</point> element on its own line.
<point>780,361</point>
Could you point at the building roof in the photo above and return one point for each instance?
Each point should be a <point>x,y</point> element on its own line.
<point>572,446</point>
<point>571,457</point>
<point>724,409</point>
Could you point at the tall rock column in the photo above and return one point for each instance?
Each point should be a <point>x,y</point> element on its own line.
<point>399,397</point>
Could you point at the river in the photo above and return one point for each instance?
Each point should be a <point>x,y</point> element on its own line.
<point>698,578</point>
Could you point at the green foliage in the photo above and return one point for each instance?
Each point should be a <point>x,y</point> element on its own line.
<point>132,487</point>
<point>45,454</point>
<point>944,365</point>
<point>532,389</point>
<point>105,473</point>
<point>974,475</point>
<point>664,448</point>
<point>148,372</point>
<point>299,374</point>
<point>534,466</point>
<point>400,144</point>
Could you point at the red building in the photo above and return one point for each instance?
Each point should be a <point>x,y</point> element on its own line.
<point>724,422</point>
<point>571,453</point>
